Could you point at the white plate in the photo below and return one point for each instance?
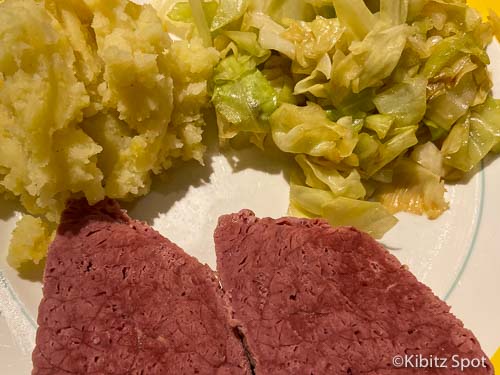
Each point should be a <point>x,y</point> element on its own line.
<point>458,255</point>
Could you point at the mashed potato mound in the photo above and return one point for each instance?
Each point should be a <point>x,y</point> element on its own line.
<point>87,96</point>
<point>33,237</point>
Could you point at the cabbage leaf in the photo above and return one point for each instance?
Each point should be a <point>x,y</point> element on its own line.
<point>227,12</point>
<point>307,130</point>
<point>413,189</point>
<point>389,150</point>
<point>371,60</point>
<point>243,98</point>
<point>327,177</point>
<point>405,101</point>
<point>363,89</point>
<point>471,139</point>
<point>355,16</point>
<point>370,217</point>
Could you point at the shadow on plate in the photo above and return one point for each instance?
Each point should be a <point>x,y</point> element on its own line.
<point>173,185</point>
<point>488,160</point>
<point>8,208</point>
<point>270,160</point>
<point>31,271</point>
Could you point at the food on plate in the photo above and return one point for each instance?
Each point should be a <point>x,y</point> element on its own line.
<point>359,92</point>
<point>379,102</point>
<point>309,298</point>
<point>120,298</point>
<point>95,98</point>
<point>295,296</point>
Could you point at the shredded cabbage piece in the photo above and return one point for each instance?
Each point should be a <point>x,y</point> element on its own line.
<point>370,217</point>
<point>327,177</point>
<point>413,189</point>
<point>243,97</point>
<point>471,139</point>
<point>308,130</point>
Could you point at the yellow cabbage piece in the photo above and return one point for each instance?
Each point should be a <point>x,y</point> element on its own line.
<point>307,130</point>
<point>413,189</point>
<point>367,216</point>
<point>327,177</point>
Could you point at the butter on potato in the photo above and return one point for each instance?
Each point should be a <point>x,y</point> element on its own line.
<point>94,99</point>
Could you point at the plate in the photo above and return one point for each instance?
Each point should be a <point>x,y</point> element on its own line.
<point>457,255</point>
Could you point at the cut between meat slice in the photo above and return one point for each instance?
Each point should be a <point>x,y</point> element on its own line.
<point>118,298</point>
<point>310,299</point>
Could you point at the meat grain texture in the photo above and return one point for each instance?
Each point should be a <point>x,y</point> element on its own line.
<point>121,299</point>
<point>313,300</point>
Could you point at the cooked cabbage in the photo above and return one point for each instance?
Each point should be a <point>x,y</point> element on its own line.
<point>370,217</point>
<point>390,98</point>
<point>413,188</point>
<point>307,130</point>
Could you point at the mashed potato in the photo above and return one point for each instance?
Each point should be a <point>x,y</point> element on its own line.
<point>88,90</point>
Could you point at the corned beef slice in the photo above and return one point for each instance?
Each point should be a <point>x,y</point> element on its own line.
<point>311,299</point>
<point>121,299</point>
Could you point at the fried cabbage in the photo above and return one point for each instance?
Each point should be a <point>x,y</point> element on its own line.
<point>389,100</point>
